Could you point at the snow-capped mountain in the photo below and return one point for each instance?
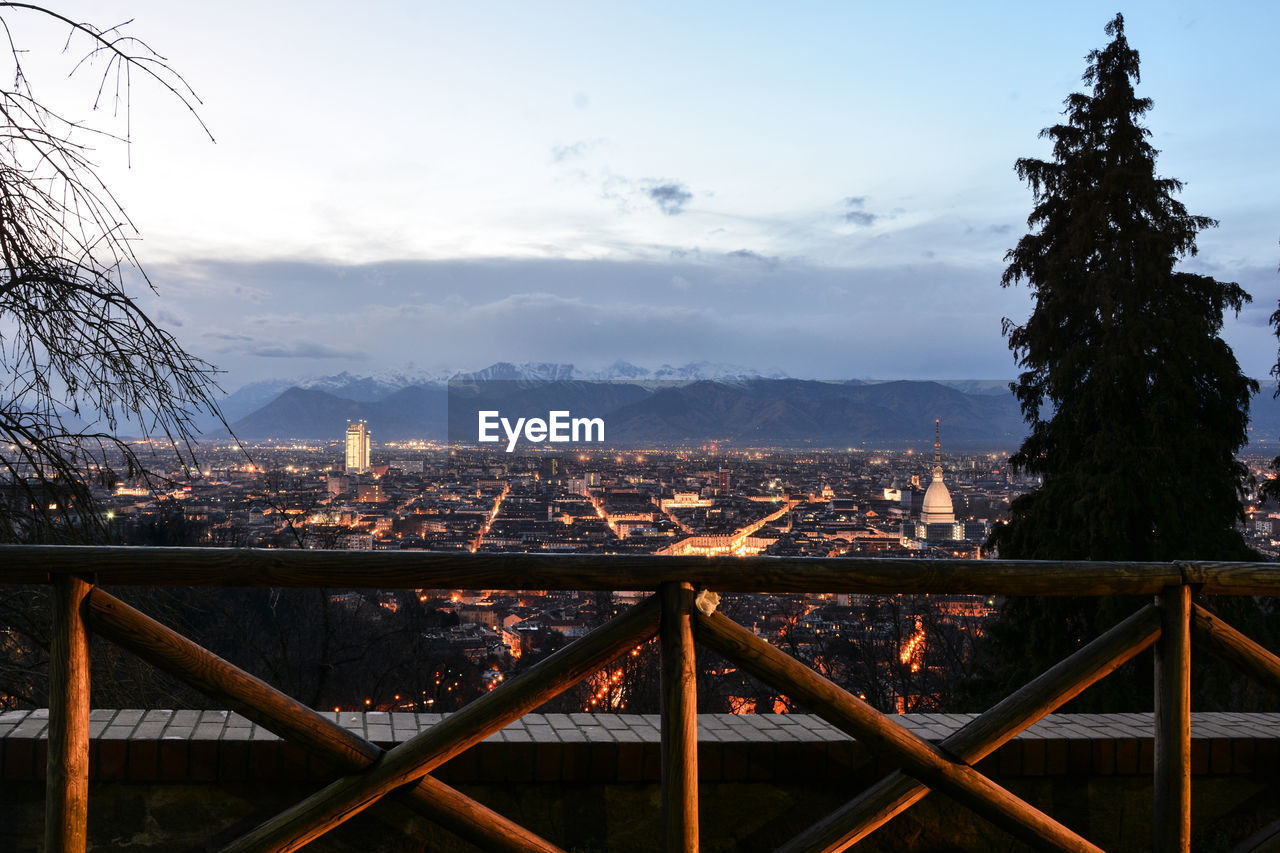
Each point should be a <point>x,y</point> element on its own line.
<point>618,371</point>
<point>377,386</point>
<point>700,370</point>
<point>530,371</point>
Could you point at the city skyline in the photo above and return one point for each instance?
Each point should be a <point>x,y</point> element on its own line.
<point>826,191</point>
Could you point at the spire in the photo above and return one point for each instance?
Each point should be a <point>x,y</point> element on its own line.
<point>937,450</point>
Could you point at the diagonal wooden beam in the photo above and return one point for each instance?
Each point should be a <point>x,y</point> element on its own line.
<point>168,650</point>
<point>413,759</point>
<point>918,757</point>
<point>1229,644</point>
<point>1265,840</point>
<point>897,792</point>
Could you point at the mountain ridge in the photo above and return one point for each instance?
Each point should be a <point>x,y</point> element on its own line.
<point>756,412</point>
<point>694,403</point>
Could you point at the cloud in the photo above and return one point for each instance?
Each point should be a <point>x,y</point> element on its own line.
<point>670,197</point>
<point>574,151</point>
<point>306,349</point>
<point>855,213</point>
<point>618,189</point>
<point>753,258</point>
<point>466,314</point>
<point>168,318</point>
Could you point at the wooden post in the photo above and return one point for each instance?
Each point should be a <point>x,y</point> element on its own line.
<point>1171,818</point>
<point>897,792</point>
<point>679,721</point>
<point>66,807</point>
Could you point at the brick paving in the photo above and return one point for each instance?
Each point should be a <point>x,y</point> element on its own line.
<point>222,745</point>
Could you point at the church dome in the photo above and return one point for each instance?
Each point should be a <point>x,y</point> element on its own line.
<point>937,507</point>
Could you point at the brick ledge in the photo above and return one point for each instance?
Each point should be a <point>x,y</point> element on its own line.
<point>206,746</point>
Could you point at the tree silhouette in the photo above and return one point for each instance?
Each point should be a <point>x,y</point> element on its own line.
<point>80,361</point>
<point>1136,405</point>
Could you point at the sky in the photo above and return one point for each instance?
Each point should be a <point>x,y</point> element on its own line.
<point>821,189</point>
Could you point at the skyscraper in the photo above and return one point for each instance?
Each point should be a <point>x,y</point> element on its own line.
<point>358,441</point>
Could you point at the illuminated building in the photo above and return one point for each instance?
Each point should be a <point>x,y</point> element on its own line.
<point>358,441</point>
<point>937,516</point>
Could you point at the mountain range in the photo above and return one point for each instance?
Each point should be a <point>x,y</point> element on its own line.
<point>694,403</point>
<point>378,386</point>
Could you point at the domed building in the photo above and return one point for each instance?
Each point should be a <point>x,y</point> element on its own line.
<point>937,516</point>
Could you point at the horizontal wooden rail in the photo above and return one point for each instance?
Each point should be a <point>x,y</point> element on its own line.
<point>880,735</point>
<point>168,650</point>
<point>435,570</point>
<point>1032,702</point>
<point>418,756</point>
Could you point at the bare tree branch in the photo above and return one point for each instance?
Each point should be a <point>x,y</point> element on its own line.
<point>80,361</point>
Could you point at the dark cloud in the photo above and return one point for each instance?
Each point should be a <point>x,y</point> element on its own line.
<point>855,213</point>
<point>306,349</point>
<point>1000,229</point>
<point>745,307</point>
<point>670,198</point>
<point>168,318</point>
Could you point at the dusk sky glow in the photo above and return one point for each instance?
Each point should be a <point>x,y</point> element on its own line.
<point>825,189</point>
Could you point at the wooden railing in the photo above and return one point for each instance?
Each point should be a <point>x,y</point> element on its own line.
<point>681,612</point>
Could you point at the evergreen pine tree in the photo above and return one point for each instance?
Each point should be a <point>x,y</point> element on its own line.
<point>1136,405</point>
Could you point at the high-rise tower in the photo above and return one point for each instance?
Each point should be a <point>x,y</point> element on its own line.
<point>358,441</point>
